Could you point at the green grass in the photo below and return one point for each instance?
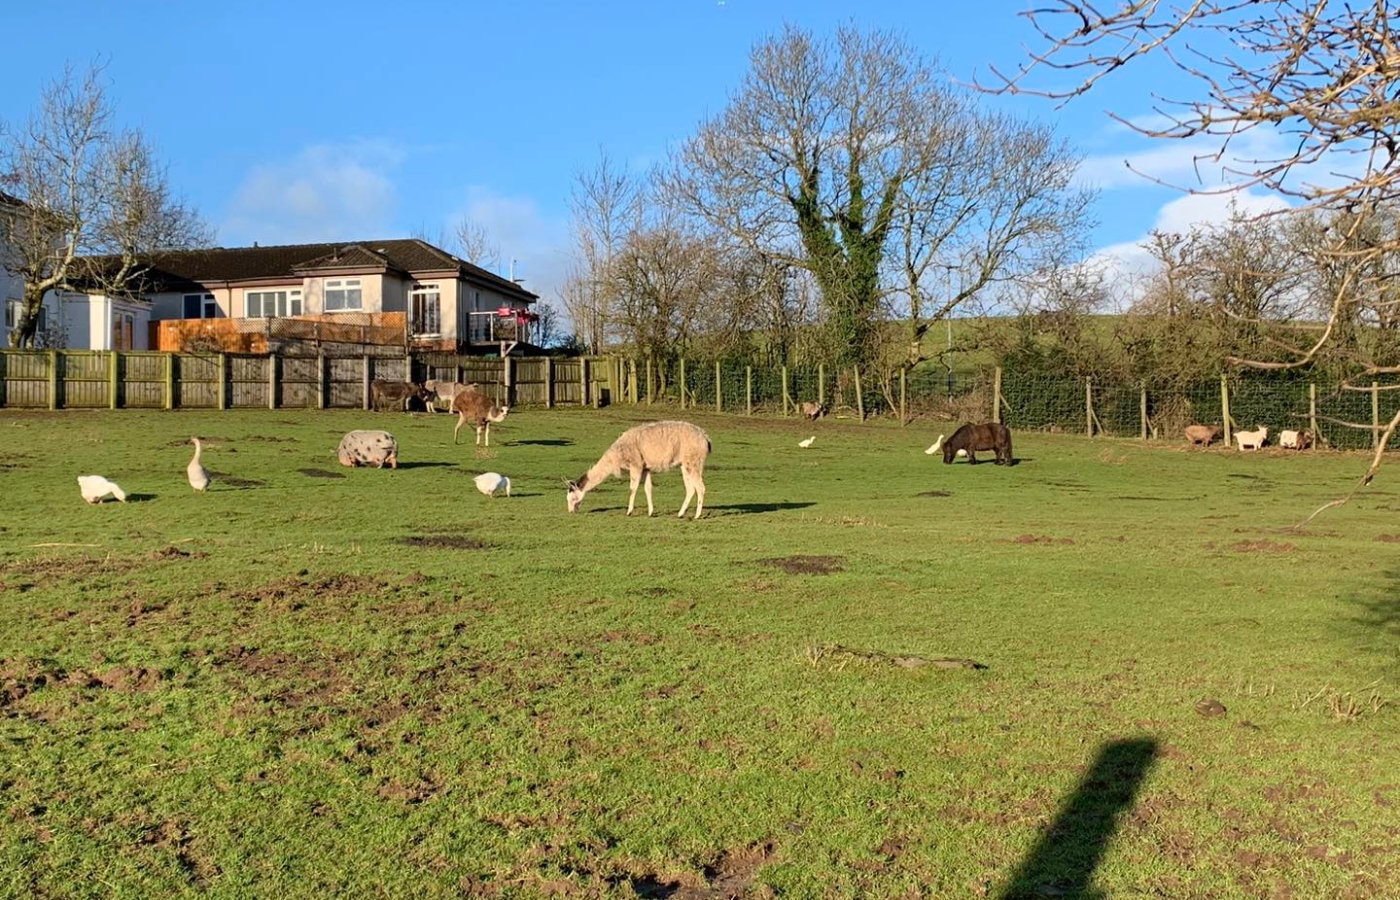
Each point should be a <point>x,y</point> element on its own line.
<point>592,705</point>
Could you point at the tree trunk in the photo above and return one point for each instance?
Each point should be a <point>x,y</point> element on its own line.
<point>25,330</point>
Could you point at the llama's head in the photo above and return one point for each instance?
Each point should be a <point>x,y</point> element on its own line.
<point>498,414</point>
<point>575,496</point>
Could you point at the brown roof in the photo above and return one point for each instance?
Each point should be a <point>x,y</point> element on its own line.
<point>179,269</point>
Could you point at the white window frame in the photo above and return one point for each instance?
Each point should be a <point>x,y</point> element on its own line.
<point>343,286</point>
<point>12,308</point>
<point>424,290</point>
<point>208,309</point>
<point>283,299</point>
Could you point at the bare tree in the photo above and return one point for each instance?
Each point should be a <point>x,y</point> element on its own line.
<point>93,201</point>
<point>475,245</point>
<point>607,202</point>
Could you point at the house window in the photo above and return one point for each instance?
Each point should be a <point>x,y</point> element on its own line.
<point>123,331</point>
<point>266,304</point>
<point>343,294</point>
<point>426,310</point>
<point>200,306</point>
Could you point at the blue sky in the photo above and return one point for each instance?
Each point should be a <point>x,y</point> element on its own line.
<point>290,122</point>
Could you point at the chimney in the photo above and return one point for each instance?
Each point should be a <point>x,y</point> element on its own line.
<point>255,245</point>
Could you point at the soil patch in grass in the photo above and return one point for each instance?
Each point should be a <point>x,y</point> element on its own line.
<point>935,494</point>
<point>444,542</point>
<point>25,574</point>
<point>1262,547</point>
<point>320,473</point>
<point>295,588</point>
<point>173,552</point>
<point>806,565</point>
<point>730,876</point>
<point>225,478</point>
<point>1036,539</point>
<point>1388,538</point>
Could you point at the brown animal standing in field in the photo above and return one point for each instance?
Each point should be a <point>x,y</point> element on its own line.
<point>473,406</point>
<point>654,447</point>
<point>397,393</point>
<point>1203,434</point>
<point>812,410</point>
<point>972,438</point>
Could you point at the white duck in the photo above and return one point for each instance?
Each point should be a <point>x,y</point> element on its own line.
<point>491,482</point>
<point>199,476</point>
<point>807,443</point>
<point>95,488</point>
<point>936,444</point>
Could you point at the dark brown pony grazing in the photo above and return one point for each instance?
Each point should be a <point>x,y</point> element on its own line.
<point>990,436</point>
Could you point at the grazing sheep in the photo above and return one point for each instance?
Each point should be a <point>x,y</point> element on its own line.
<point>475,407</point>
<point>397,393</point>
<point>369,448</point>
<point>1295,440</point>
<point>654,447</point>
<point>1203,434</point>
<point>199,476</point>
<point>446,391</point>
<point>807,443</point>
<point>812,410</point>
<point>971,438</point>
<point>1252,440</point>
<point>491,482</point>
<point>95,488</point>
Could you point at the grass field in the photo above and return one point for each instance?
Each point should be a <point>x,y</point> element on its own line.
<point>314,681</point>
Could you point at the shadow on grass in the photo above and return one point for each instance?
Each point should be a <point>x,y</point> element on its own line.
<point>1378,611</point>
<point>1063,861</point>
<point>140,498</point>
<point>426,465</point>
<point>746,508</point>
<point>542,443</point>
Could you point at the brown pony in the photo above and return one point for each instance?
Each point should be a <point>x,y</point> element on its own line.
<point>990,436</point>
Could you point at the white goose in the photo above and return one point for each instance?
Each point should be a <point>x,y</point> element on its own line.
<point>491,482</point>
<point>95,488</point>
<point>807,443</point>
<point>199,476</point>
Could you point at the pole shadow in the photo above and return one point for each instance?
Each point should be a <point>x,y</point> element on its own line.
<point>426,465</point>
<point>1063,861</point>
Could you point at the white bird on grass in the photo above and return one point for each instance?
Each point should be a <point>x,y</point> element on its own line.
<point>199,476</point>
<point>807,443</point>
<point>936,444</point>
<point>491,482</point>
<point>95,488</point>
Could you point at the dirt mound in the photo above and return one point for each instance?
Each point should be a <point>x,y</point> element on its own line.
<point>173,552</point>
<point>444,542</point>
<point>806,565</point>
<point>296,588</point>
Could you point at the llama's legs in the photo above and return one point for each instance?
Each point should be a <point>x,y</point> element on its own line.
<point>478,435</point>
<point>689,492</point>
<point>646,482</point>
<point>461,420</point>
<point>699,495</point>
<point>635,477</point>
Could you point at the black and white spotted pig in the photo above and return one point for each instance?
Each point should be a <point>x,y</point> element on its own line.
<point>369,448</point>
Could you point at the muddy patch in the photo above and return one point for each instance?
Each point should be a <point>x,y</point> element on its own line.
<point>320,473</point>
<point>1388,538</point>
<point>935,494</point>
<point>806,565</point>
<point>1262,547</point>
<point>234,481</point>
<point>173,552</point>
<point>294,590</point>
<point>730,876</point>
<point>206,441</point>
<point>268,439</point>
<point>170,836</point>
<point>444,542</point>
<point>1035,539</point>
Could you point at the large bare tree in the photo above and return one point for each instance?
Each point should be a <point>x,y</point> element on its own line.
<point>607,204</point>
<point>1324,74</point>
<point>831,148</point>
<point>93,201</point>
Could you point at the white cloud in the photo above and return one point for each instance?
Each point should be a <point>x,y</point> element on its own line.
<point>324,193</point>
<point>538,243</point>
<point>1199,162</point>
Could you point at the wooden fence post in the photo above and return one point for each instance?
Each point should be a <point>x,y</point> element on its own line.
<point>785,390</point>
<point>112,383</point>
<point>1312,412</point>
<point>1225,407</point>
<point>821,384</point>
<point>53,379</point>
<point>682,385</point>
<point>860,394</point>
<point>996,395</point>
<point>1375,415</point>
<point>548,382</point>
<point>170,381</point>
<point>650,390</point>
<point>583,380</point>
<point>1088,406</point>
<point>223,381</point>
<point>719,393</point>
<point>508,373</point>
<point>903,390</point>
<point>271,380</point>
<point>321,380</point>
<point>365,379</point>
<point>408,367</point>
<point>632,381</point>
<point>1142,408</point>
<point>748,390</point>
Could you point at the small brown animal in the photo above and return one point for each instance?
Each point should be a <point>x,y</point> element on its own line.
<point>972,438</point>
<point>397,393</point>
<point>473,406</point>
<point>812,410</point>
<point>1203,434</point>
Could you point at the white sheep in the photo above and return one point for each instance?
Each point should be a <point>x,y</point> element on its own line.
<point>654,447</point>
<point>95,488</point>
<point>1252,440</point>
<point>491,482</point>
